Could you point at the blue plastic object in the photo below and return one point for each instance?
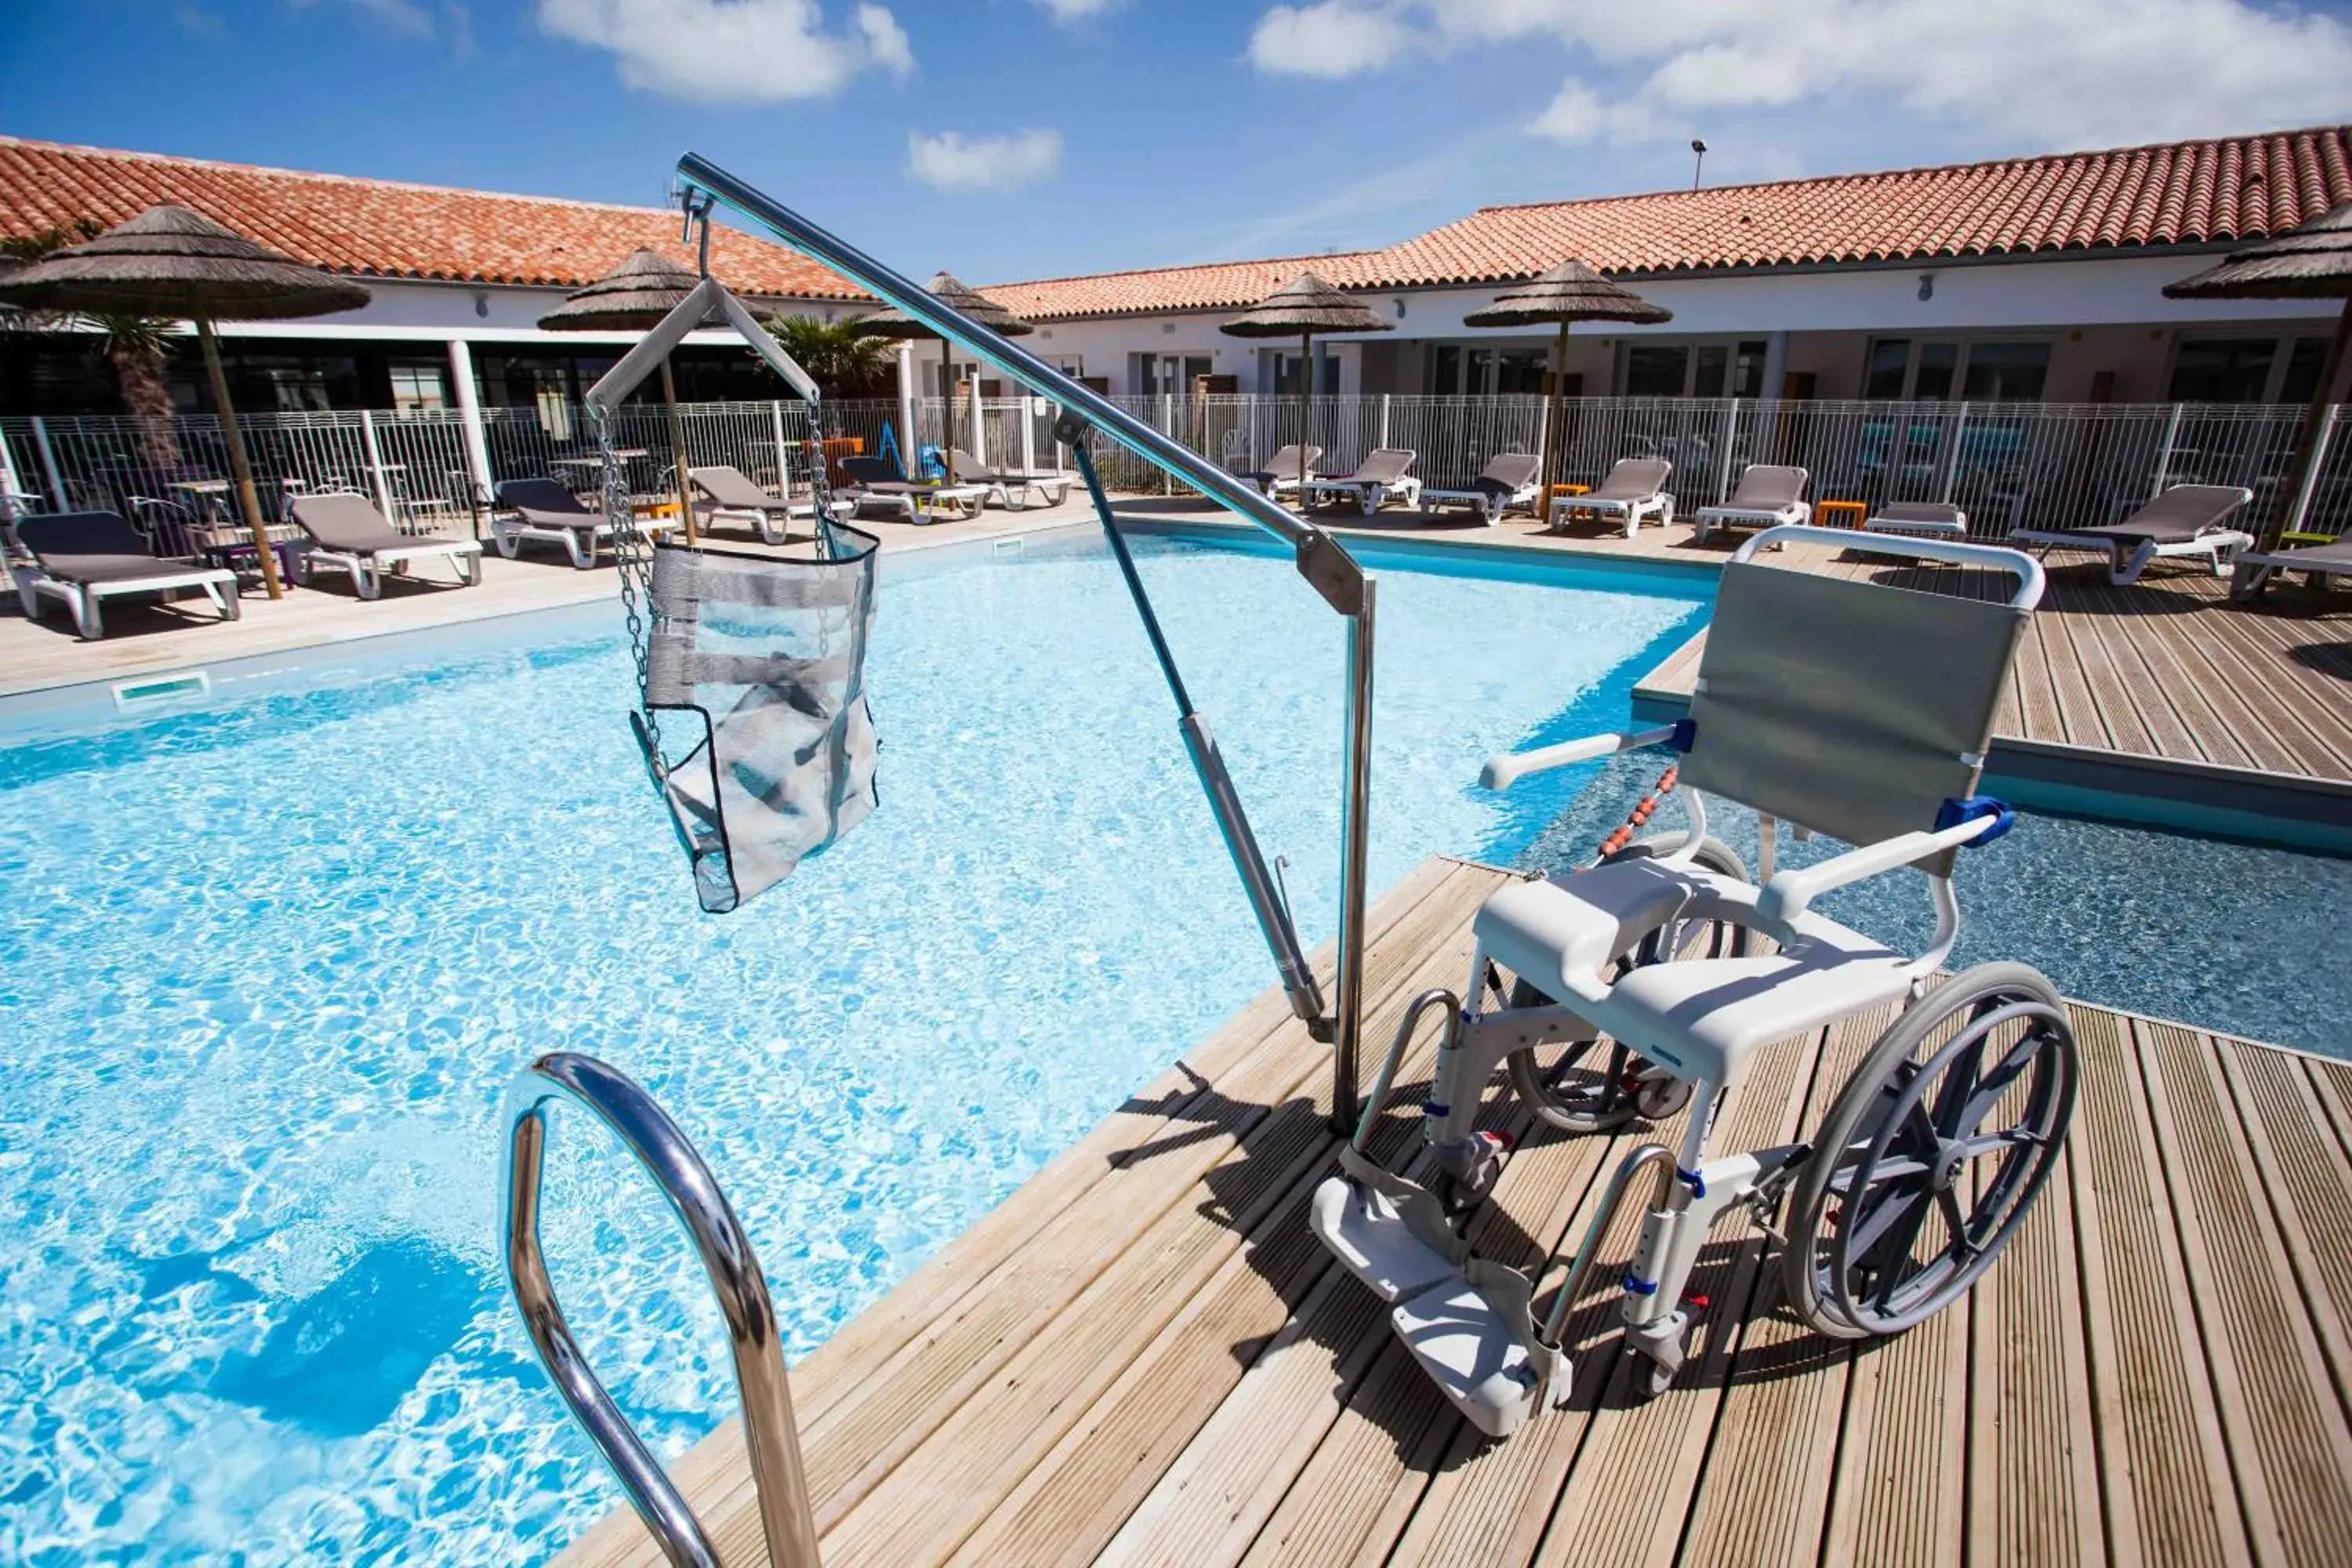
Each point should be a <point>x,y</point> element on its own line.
<point>1952,813</point>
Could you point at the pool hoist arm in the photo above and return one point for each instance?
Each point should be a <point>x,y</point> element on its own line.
<point>1326,565</point>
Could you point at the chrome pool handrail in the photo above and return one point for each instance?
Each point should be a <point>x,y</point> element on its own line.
<point>1321,560</point>
<point>694,1196</point>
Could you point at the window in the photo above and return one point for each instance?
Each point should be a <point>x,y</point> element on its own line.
<point>2302,368</point>
<point>1445,370</point>
<point>1520,371</point>
<point>1327,374</point>
<point>1890,364</point>
<point>1747,369</point>
<point>1656,369</point>
<point>418,385</point>
<point>1933,380</point>
<point>2223,369</point>
<point>2006,372</point>
<point>1714,364</point>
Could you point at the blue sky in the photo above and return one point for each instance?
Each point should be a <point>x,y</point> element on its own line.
<point>1007,139</point>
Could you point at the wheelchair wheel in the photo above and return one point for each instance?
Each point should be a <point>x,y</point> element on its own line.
<point>1577,1086</point>
<point>1933,1153</point>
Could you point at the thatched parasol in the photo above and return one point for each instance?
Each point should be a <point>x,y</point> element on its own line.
<point>170,261</point>
<point>2312,262</point>
<point>947,289</point>
<point>1304,307</point>
<point>633,298</point>
<point>1569,293</point>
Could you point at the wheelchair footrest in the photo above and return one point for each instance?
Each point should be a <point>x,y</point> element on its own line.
<point>1363,1231</point>
<point>1470,1351</point>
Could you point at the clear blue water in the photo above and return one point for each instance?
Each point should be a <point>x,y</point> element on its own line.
<point>266,970</point>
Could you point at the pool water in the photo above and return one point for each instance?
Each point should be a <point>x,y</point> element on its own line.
<point>265,971</point>
<point>2224,936</point>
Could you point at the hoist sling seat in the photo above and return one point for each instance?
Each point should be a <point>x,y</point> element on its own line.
<point>768,655</point>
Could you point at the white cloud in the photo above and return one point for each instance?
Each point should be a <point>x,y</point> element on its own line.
<point>949,163</point>
<point>2029,73</point>
<point>732,51</point>
<point>1077,10</point>
<point>1330,39</point>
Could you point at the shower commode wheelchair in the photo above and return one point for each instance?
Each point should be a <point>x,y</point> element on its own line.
<point>1853,710</point>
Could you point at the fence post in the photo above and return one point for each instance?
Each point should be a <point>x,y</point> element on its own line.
<point>375,466</point>
<point>12,488</point>
<point>469,408</point>
<point>910,439</point>
<point>1730,436</point>
<point>783,462</point>
<point>57,501</point>
<point>1028,436</point>
<point>2310,486</point>
<point>1384,420</point>
<point>1952,451</point>
<point>2163,454</point>
<point>1168,427</point>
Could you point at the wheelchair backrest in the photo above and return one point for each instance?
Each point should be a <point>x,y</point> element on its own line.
<point>1852,708</point>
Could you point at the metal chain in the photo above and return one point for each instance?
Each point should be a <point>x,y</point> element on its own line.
<point>633,555</point>
<point>820,491</point>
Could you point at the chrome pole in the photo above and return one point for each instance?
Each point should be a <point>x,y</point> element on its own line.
<point>694,1196</point>
<point>1327,567</point>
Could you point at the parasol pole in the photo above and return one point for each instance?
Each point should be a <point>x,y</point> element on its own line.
<point>240,471</point>
<point>2307,441</point>
<point>1305,408</point>
<point>948,403</point>
<point>1553,431</point>
<point>677,453</point>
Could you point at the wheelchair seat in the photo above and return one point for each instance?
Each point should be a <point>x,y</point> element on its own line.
<point>1698,1017</point>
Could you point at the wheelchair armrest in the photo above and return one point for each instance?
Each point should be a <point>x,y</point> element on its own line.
<point>1506,768</point>
<point>1787,895</point>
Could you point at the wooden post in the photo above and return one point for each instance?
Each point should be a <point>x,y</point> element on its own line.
<point>678,454</point>
<point>375,466</point>
<point>240,471</point>
<point>2294,495</point>
<point>783,464</point>
<point>49,456</point>
<point>476,435</point>
<point>1305,408</point>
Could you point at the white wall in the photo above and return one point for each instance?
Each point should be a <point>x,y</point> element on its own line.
<point>475,312</point>
<point>2051,294</point>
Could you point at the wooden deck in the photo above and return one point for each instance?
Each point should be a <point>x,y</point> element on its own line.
<point>2166,669</point>
<point>1142,1356</point>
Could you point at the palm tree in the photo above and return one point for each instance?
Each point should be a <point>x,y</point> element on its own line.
<point>136,346</point>
<point>845,360</point>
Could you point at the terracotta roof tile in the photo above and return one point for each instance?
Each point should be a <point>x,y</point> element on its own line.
<point>2185,193</point>
<point>379,228</point>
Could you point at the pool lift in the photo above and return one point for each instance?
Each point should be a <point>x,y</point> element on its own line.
<point>748,807</point>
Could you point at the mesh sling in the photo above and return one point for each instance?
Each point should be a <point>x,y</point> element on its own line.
<point>763,654</point>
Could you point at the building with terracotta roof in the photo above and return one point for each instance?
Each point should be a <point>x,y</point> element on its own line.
<point>460,279</point>
<point>2020,278</point>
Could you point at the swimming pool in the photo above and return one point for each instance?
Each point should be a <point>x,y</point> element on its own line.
<point>266,968</point>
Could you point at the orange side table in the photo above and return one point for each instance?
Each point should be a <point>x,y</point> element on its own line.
<point>1827,510</point>
<point>1561,493</point>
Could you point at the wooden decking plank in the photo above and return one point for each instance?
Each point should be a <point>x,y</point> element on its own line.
<point>1638,1464</point>
<point>2309,1181</point>
<point>1211,1506</point>
<point>2183,687</point>
<point>2218,689</point>
<point>2079,721</point>
<point>2163,1465</point>
<point>1898,1499</point>
<point>2113,621</point>
<point>2037,694</point>
<point>2288,1444</point>
<point>2299,697</point>
<point>2108,697</point>
<point>1764,1490</point>
<point>968,1456</point>
<point>2253,681</point>
<point>2033,1477</point>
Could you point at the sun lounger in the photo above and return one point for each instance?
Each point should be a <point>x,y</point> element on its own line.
<point>1387,471</point>
<point>347,532</point>
<point>1280,475</point>
<point>1767,496</point>
<point>544,510</point>
<point>2252,571</point>
<point>876,485</point>
<point>1013,488</point>
<point>735,498</point>
<point>1928,519</point>
<point>1635,489</point>
<point>2187,519</point>
<point>1509,481</point>
<point>82,557</point>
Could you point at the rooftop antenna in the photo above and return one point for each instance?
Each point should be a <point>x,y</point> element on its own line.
<point>1699,159</point>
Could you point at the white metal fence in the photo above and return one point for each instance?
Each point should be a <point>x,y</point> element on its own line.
<point>2006,464</point>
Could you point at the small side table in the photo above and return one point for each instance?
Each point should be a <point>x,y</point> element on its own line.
<point>1853,510</point>
<point>1555,513</point>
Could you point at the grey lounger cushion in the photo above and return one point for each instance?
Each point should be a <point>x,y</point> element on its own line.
<point>545,503</point>
<point>1382,466</point>
<point>1768,487</point>
<point>1285,463</point>
<point>732,489</point>
<point>1506,474</point>
<point>2179,516</point>
<point>91,547</point>
<point>2336,557</point>
<point>350,524</point>
<point>1630,480</point>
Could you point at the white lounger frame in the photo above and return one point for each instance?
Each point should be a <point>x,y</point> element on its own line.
<point>968,499</point>
<point>1796,514</point>
<point>368,571</point>
<point>1659,504</point>
<point>1370,497</point>
<point>1486,505</point>
<point>1012,491</point>
<point>2251,571</point>
<point>2219,545</point>
<point>1470,1321</point>
<point>510,531</point>
<point>81,599</point>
